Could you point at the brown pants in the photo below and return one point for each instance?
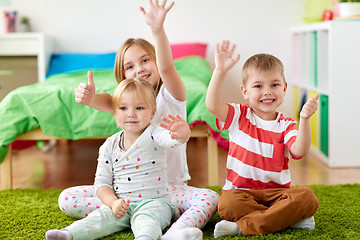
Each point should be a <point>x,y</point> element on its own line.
<point>258,212</point>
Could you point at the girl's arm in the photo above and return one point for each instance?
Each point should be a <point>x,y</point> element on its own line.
<point>85,94</point>
<point>155,18</point>
<point>104,180</point>
<point>177,126</point>
<point>118,206</point>
<point>302,143</point>
<point>106,195</point>
<point>224,61</point>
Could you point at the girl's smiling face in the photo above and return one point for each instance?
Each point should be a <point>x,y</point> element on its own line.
<point>265,91</point>
<point>139,64</point>
<point>132,113</point>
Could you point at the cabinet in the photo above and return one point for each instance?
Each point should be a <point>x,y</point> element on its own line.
<point>325,60</point>
<point>24,59</point>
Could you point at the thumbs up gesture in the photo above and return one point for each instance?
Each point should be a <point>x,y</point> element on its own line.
<point>85,92</point>
<point>310,107</point>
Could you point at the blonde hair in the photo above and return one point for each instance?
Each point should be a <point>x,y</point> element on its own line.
<point>262,62</point>
<point>119,59</point>
<point>143,90</point>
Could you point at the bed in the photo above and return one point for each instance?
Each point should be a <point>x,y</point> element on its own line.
<point>47,110</point>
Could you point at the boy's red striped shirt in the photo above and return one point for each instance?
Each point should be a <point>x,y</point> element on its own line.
<point>259,150</point>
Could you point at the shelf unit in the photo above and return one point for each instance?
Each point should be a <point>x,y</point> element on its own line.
<point>326,60</point>
<point>24,58</point>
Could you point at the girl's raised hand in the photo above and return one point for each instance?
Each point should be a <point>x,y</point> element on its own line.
<point>85,92</point>
<point>155,16</point>
<point>224,59</point>
<point>177,126</point>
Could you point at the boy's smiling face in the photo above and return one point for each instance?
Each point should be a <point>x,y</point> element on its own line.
<point>265,91</point>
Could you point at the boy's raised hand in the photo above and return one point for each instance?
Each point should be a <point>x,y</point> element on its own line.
<point>309,107</point>
<point>177,126</point>
<point>85,92</point>
<point>155,16</point>
<point>224,59</point>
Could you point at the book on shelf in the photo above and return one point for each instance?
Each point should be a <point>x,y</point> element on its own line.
<point>350,18</point>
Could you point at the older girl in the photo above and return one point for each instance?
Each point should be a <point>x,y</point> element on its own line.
<point>138,58</point>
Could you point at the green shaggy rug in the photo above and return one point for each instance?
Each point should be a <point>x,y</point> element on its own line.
<point>28,214</point>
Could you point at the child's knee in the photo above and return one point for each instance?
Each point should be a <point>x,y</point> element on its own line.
<point>214,195</point>
<point>231,200</point>
<point>213,199</point>
<point>310,198</point>
<point>224,201</point>
<point>306,199</point>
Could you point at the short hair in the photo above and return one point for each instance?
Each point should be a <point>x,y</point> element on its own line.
<point>119,59</point>
<point>143,89</point>
<point>262,62</point>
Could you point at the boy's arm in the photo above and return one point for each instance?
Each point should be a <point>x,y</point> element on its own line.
<point>224,61</point>
<point>213,101</point>
<point>155,18</point>
<point>85,94</point>
<point>302,143</point>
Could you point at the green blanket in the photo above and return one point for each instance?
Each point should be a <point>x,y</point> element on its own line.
<point>50,105</point>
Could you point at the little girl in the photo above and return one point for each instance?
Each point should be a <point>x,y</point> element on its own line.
<point>131,178</point>
<point>137,58</point>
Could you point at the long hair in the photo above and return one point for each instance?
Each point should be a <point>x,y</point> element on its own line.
<point>119,60</point>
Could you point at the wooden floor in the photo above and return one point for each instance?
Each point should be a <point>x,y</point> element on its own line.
<point>72,163</point>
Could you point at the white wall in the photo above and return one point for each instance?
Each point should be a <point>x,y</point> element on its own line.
<point>101,26</point>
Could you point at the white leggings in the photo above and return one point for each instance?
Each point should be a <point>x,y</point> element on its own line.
<point>197,205</point>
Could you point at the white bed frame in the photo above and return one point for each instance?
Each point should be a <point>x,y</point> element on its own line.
<point>196,132</point>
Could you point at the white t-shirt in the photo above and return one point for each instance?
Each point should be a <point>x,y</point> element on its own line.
<point>178,171</point>
<point>138,173</point>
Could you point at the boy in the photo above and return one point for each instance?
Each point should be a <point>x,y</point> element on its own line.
<point>257,198</point>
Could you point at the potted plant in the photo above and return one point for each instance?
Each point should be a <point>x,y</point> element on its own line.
<point>25,22</point>
<point>349,8</point>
